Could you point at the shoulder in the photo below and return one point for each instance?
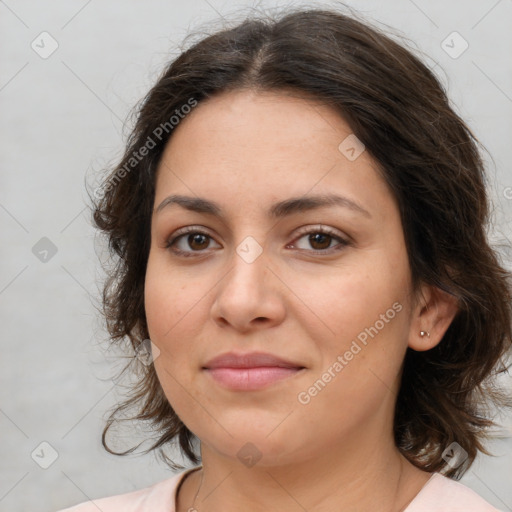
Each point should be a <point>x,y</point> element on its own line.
<point>159,497</point>
<point>446,495</point>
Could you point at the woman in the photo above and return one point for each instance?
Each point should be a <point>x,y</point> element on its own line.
<point>299,221</point>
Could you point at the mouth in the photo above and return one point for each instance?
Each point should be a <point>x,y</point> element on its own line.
<point>250,371</point>
<point>251,379</point>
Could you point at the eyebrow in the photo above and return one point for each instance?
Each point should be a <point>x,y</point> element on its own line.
<point>277,210</point>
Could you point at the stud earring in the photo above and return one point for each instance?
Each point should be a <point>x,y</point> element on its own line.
<point>422,333</point>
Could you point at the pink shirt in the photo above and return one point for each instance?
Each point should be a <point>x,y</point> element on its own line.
<point>439,494</point>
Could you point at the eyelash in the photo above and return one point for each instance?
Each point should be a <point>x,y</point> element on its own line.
<point>192,230</point>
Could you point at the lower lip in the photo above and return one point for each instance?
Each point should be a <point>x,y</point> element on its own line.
<point>249,379</point>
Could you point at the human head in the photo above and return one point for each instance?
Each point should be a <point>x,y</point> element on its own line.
<point>428,159</point>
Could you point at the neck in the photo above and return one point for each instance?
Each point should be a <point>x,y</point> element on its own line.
<point>363,480</point>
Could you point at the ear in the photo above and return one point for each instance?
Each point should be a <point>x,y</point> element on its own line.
<point>433,313</point>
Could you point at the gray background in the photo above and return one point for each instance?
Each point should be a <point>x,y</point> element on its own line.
<point>62,122</point>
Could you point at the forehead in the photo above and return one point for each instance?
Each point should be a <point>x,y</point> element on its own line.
<point>258,147</point>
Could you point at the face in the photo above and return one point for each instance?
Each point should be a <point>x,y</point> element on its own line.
<point>326,288</point>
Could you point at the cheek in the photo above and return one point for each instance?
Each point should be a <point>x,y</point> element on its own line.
<point>163,310</point>
<point>172,326</point>
<point>170,301</point>
<point>167,301</point>
<point>340,304</point>
<point>359,313</point>
<point>361,361</point>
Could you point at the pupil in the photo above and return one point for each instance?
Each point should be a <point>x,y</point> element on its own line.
<point>315,239</point>
<point>197,238</point>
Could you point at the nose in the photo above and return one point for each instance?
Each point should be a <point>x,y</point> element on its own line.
<point>249,296</point>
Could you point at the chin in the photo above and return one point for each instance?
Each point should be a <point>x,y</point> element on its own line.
<point>264,446</point>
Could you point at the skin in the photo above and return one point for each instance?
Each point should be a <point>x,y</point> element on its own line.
<point>246,150</point>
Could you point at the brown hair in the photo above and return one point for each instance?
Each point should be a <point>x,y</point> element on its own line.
<point>431,162</point>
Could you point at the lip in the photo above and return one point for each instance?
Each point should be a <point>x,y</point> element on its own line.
<point>249,360</point>
<point>250,372</point>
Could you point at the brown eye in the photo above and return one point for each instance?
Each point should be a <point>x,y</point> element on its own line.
<point>198,241</point>
<point>190,242</point>
<point>320,240</point>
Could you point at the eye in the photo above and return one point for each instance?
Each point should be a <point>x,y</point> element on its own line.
<point>320,239</point>
<point>191,237</point>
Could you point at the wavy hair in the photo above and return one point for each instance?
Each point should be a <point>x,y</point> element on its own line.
<point>429,158</point>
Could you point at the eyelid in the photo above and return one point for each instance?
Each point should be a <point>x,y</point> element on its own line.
<point>323,229</point>
<point>190,229</point>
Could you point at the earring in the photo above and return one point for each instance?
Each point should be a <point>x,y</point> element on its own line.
<point>422,333</point>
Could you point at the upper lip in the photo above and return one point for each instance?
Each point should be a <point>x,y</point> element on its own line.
<point>249,360</point>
